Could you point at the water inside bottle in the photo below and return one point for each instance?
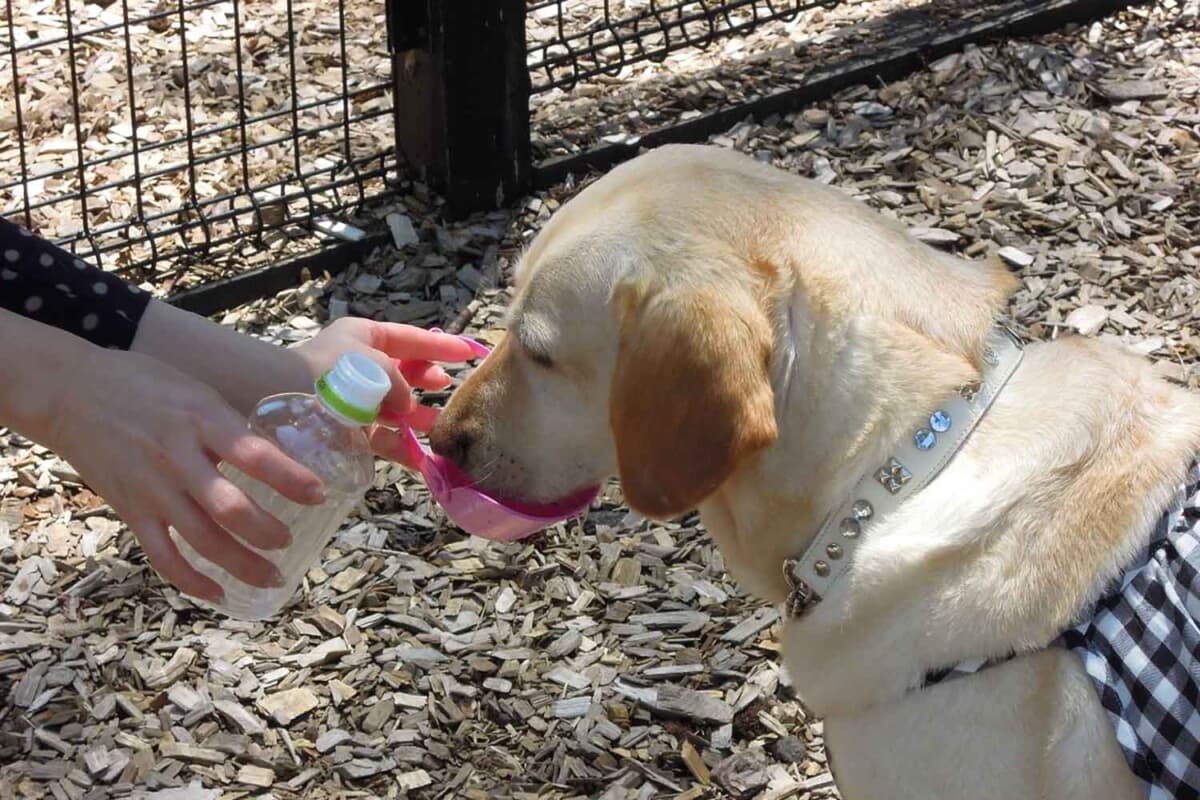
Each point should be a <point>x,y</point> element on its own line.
<point>312,527</point>
<point>340,456</point>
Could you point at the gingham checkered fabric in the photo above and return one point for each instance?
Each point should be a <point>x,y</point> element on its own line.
<point>1141,648</point>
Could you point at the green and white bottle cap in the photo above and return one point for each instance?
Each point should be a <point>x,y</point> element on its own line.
<point>354,388</point>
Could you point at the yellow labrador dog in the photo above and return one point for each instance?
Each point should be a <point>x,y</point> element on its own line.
<point>725,336</point>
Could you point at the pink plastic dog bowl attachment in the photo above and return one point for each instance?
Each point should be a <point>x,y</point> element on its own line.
<point>479,513</point>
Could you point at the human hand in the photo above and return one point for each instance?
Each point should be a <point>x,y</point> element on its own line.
<point>408,354</point>
<point>148,439</point>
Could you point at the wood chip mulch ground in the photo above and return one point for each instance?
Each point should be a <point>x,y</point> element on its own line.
<point>610,659</point>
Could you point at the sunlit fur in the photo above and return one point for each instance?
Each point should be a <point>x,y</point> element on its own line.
<point>729,336</point>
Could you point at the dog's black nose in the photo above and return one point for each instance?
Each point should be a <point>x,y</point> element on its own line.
<point>452,444</point>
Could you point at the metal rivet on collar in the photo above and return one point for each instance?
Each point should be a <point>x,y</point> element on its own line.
<point>989,355</point>
<point>862,510</point>
<point>893,475</point>
<point>821,568</point>
<point>834,550</point>
<point>939,421</point>
<point>970,391</point>
<point>850,528</point>
<point>924,439</point>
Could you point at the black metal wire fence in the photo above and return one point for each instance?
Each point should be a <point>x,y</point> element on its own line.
<point>156,137</point>
<point>181,141</point>
<point>588,39</point>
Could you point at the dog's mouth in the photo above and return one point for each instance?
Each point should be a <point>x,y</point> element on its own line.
<point>480,511</point>
<point>569,505</point>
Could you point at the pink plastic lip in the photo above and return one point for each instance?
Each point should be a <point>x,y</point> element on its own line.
<point>481,514</point>
<point>480,349</point>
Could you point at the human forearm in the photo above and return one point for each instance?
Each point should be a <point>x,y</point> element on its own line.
<point>241,368</point>
<point>244,369</point>
<point>40,363</point>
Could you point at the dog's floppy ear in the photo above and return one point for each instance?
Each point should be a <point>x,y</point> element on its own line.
<point>691,394</point>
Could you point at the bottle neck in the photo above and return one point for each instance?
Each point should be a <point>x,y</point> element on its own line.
<point>345,413</point>
<point>332,414</point>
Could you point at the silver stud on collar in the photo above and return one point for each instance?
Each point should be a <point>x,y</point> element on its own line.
<point>970,391</point>
<point>862,510</point>
<point>990,356</point>
<point>850,528</point>
<point>834,550</point>
<point>893,476</point>
<point>821,568</point>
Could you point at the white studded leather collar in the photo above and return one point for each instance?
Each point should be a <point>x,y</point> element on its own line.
<point>918,459</point>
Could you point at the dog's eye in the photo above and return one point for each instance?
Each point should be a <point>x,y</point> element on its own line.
<point>542,360</point>
<point>532,347</point>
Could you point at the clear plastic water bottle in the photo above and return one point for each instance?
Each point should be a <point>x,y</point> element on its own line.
<point>325,432</point>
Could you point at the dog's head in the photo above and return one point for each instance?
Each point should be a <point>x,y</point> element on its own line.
<point>629,350</point>
<point>657,310</point>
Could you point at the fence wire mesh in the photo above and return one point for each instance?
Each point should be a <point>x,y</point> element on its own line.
<point>575,41</point>
<point>170,139</point>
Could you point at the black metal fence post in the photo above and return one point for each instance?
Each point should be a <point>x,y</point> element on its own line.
<point>462,98</point>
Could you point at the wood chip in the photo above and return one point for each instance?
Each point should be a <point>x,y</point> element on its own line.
<point>417,779</point>
<point>192,753</point>
<point>192,791</point>
<point>758,621</point>
<point>360,768</point>
<point>678,701</point>
<point>1088,320</point>
<point>1053,139</point>
<point>403,232</point>
<point>168,673</point>
<point>742,774</point>
<point>572,707</point>
<point>331,739</point>
<point>252,775</point>
<point>347,579</point>
<point>695,763</point>
<point>934,236</point>
<point>287,706</point>
<point>1014,256</point>
<point>241,717</point>
<point>1121,91</point>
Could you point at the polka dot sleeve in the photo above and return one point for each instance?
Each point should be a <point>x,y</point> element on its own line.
<point>46,283</point>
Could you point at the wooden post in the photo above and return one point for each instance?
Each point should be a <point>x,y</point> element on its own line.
<point>462,98</point>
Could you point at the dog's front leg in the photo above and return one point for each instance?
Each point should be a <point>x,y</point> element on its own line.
<point>1030,728</point>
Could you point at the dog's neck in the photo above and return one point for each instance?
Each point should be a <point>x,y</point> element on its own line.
<point>1045,503</point>
<point>846,391</point>
<point>912,463</point>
